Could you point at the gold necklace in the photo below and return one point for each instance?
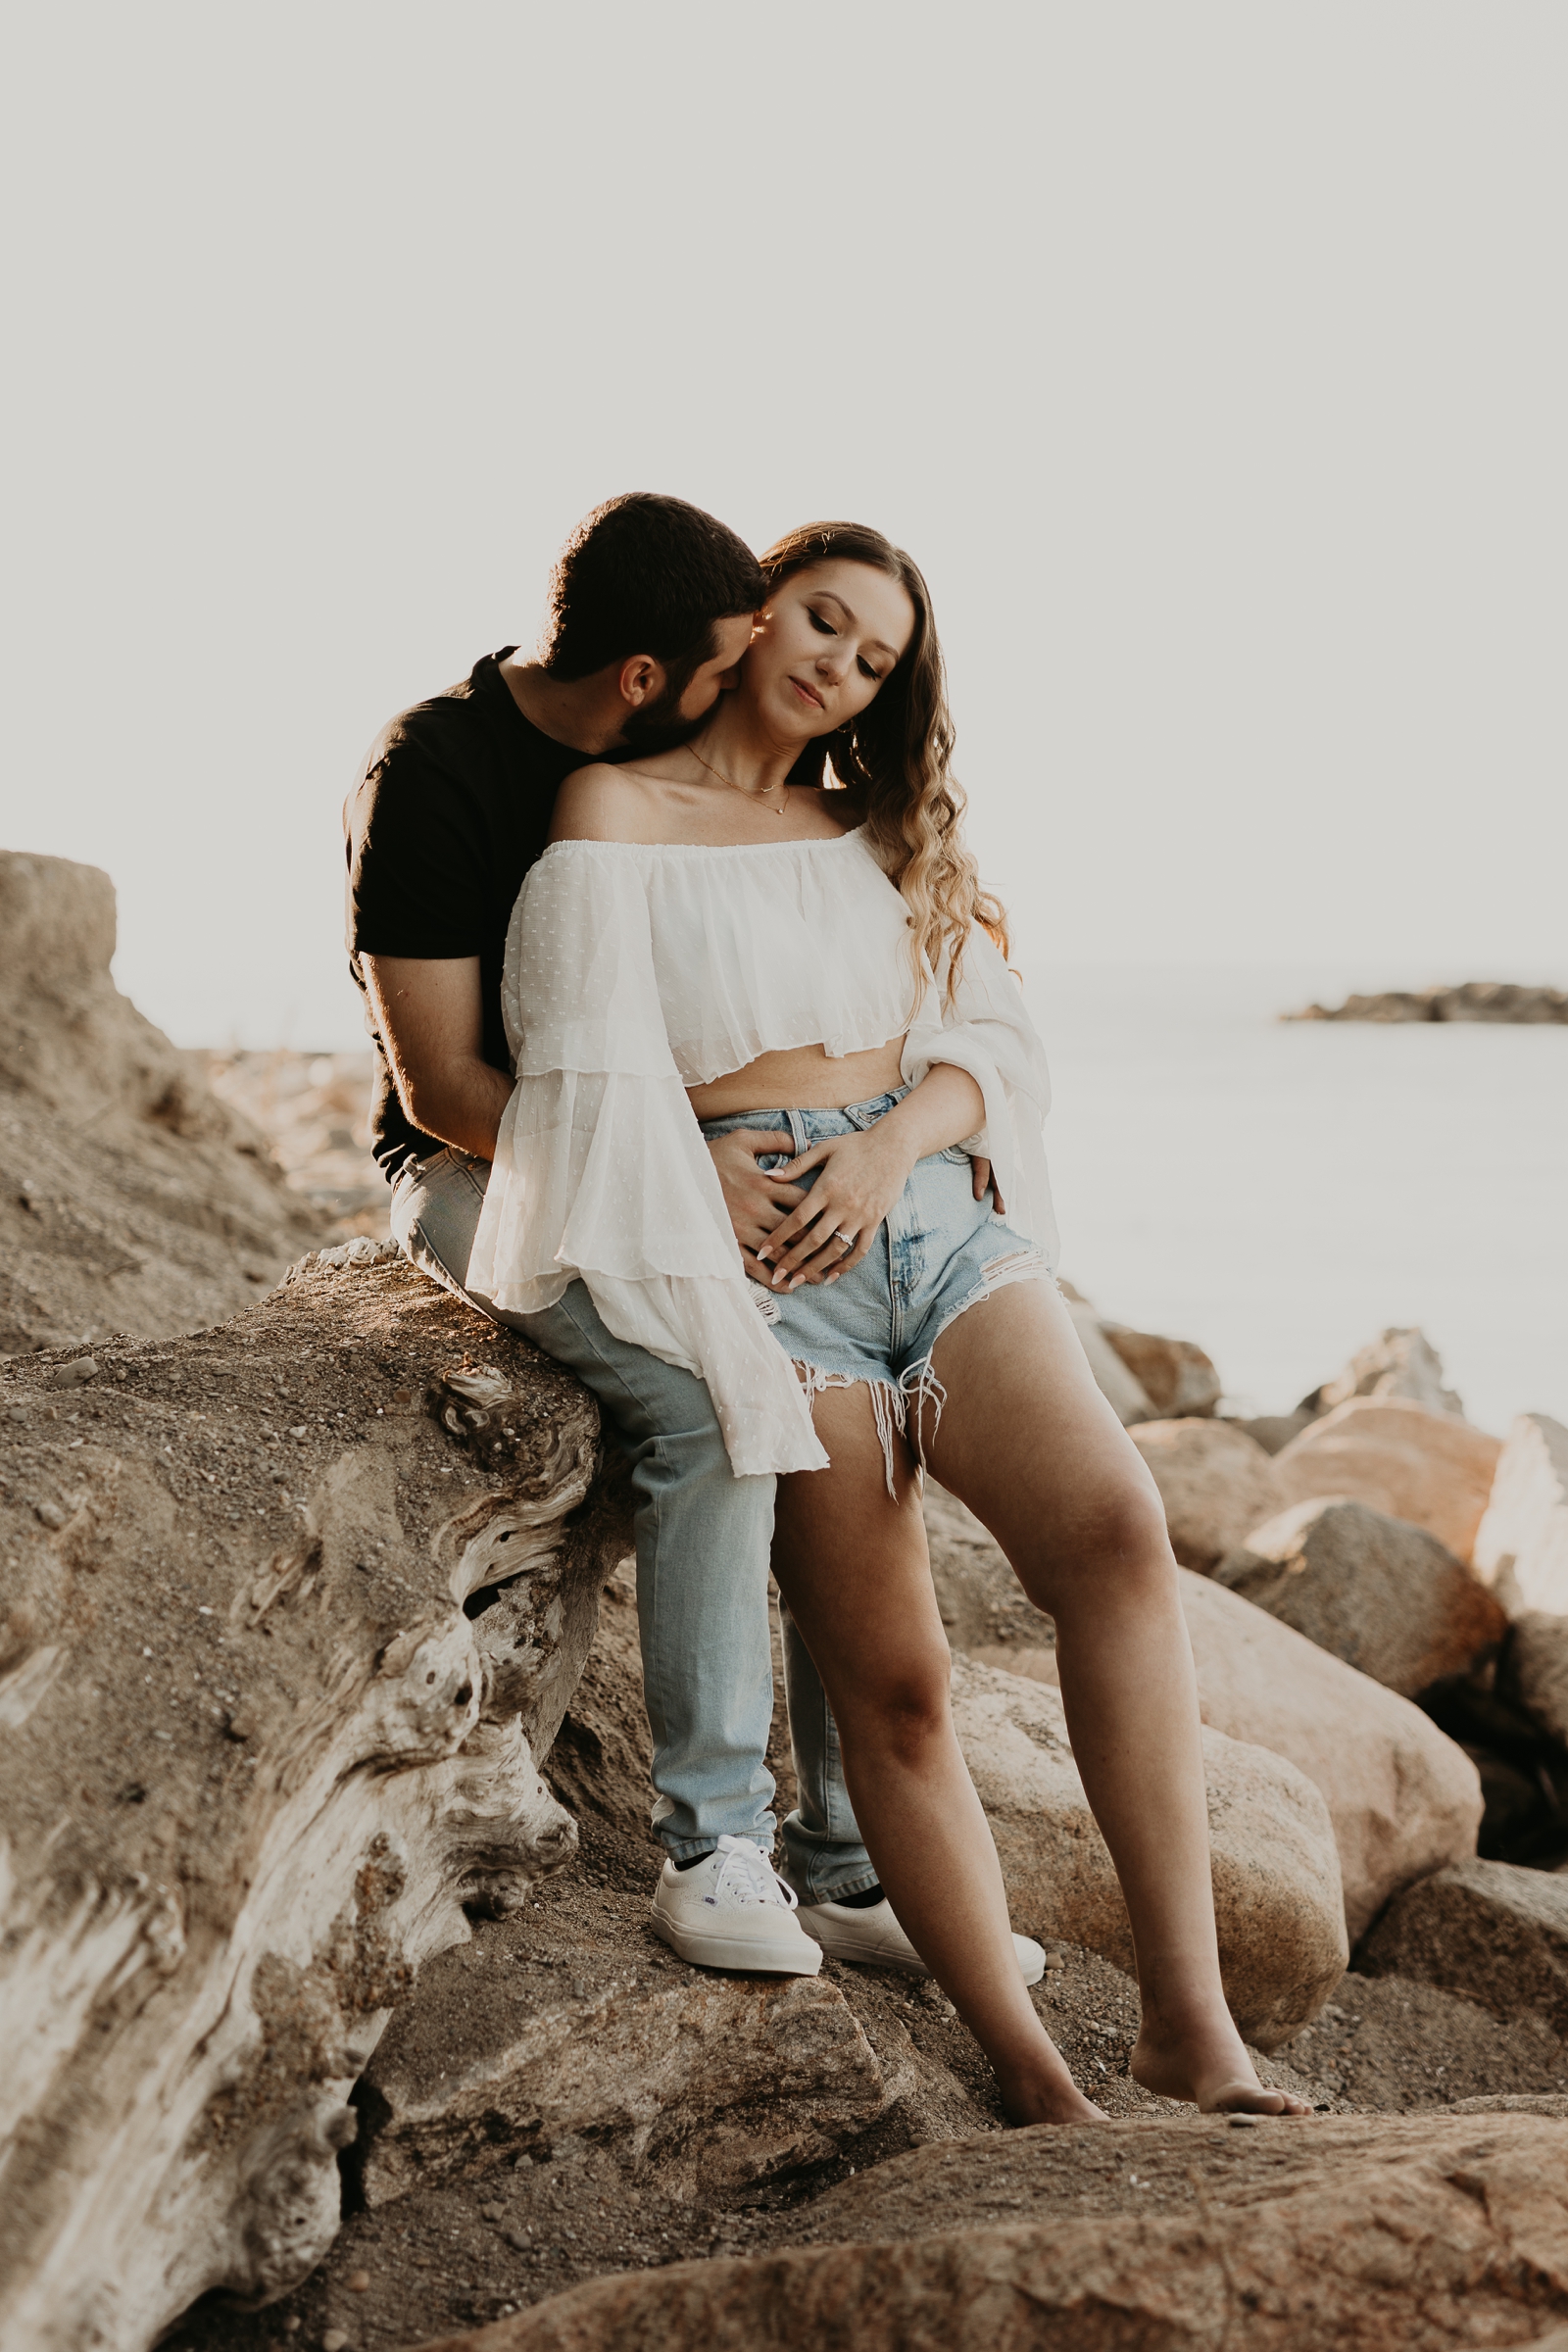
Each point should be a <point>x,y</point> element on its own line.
<point>754,798</point>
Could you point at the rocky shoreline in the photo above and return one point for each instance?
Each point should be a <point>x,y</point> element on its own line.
<point>335,2013</point>
<point>1471,1001</point>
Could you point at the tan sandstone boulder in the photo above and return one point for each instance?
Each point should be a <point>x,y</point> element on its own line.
<point>1522,1543</point>
<point>1276,1869</point>
<point>1216,1484</point>
<point>1121,1389</point>
<point>1381,1594</point>
<point>1350,2233</point>
<point>1403,1797</point>
<point>716,2080</point>
<point>1397,1363</point>
<point>1408,1462</point>
<point>1179,1379</point>
<point>1492,1931</point>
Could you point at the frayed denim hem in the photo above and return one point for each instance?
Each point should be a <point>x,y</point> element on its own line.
<point>918,1385</point>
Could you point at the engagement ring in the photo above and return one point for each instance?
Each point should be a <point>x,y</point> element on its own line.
<point>848,1239</point>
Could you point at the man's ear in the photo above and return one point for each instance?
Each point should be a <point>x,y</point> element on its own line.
<point>641,680</point>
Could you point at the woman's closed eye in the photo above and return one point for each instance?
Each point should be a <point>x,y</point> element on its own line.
<point>824,628</point>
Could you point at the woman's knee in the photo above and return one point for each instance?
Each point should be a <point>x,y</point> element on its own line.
<point>1117,1539</point>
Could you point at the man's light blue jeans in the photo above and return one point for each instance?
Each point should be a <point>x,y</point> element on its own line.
<point>703,1538</point>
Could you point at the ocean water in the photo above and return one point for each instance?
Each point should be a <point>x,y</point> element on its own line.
<point>1281,1191</point>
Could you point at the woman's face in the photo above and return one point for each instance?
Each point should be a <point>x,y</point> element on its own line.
<point>823,645</point>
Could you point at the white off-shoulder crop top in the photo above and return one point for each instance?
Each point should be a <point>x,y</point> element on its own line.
<point>635,971</point>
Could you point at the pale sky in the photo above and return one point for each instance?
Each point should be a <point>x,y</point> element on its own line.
<point>1211,359</point>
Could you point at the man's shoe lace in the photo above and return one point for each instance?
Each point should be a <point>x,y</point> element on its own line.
<point>747,1870</point>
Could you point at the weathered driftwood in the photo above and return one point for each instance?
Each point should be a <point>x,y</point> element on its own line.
<point>289,1611</point>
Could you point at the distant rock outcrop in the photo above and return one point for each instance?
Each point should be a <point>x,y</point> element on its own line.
<point>131,1200</point>
<point>1471,1001</point>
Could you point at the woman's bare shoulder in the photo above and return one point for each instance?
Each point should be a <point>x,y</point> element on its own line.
<point>604,802</point>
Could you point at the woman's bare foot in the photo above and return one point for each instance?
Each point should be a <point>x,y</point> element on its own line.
<point>1210,2065</point>
<point>1046,2094</point>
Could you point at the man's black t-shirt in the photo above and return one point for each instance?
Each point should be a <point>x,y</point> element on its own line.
<point>453,810</point>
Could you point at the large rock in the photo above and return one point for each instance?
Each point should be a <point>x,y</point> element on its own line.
<point>1399,1362</point>
<point>1345,2235</point>
<point>1403,1798</point>
<point>1407,1462</point>
<point>715,2081</point>
<point>1216,1484</point>
<point>1277,1896</point>
<point>1381,1594</point>
<point>1179,1379</point>
<point>1522,1543</point>
<point>1492,1931</point>
<point>1534,1670</point>
<point>289,1612</point>
<point>130,1198</point>
<point>1121,1387</point>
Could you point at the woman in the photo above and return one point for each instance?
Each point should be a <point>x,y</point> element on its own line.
<point>714,942</point>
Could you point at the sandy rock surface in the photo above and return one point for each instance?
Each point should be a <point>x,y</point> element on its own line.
<point>1381,1594</point>
<point>524,2217</point>
<point>258,1759</point>
<point>523,2208</point>
<point>131,1198</point>
<point>1216,1483</point>
<point>717,2080</point>
<point>1406,1462</point>
<point>1346,2232</point>
<point>1522,1543</point>
<point>1491,1930</point>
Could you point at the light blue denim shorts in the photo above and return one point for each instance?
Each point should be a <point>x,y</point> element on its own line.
<point>937,1253</point>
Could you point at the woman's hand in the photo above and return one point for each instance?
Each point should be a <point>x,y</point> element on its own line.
<point>861,1177</point>
<point>758,1198</point>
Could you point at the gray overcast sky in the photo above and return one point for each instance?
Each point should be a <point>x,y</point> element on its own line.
<point>1211,359</point>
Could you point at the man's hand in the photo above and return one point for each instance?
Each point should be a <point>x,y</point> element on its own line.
<point>985,1181</point>
<point>430,1017</point>
<point>757,1201</point>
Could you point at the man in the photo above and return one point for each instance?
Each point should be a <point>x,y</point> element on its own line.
<point>650,610</point>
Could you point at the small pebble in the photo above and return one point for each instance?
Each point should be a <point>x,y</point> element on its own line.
<point>334,2339</point>
<point>358,2283</point>
<point>1242,2123</point>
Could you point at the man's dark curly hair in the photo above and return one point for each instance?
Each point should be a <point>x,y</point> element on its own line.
<point>645,574</point>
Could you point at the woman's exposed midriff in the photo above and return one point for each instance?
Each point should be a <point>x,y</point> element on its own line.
<point>805,1076</point>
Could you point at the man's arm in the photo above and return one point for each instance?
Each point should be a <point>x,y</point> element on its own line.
<point>431,1014</point>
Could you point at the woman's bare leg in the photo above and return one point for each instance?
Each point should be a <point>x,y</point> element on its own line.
<point>854,1569</point>
<point>1026,1439</point>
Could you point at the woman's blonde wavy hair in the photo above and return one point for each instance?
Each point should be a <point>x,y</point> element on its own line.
<point>893,759</point>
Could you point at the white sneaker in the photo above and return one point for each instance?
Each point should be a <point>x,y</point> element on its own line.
<point>732,1910</point>
<point>874,1937</point>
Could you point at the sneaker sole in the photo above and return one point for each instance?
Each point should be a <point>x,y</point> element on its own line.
<point>840,1948</point>
<point>735,1951</point>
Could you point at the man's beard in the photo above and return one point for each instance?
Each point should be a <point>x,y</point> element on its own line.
<point>660,727</point>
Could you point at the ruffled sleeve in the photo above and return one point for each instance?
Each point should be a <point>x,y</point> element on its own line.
<point>601,1170</point>
<point>987,1031</point>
